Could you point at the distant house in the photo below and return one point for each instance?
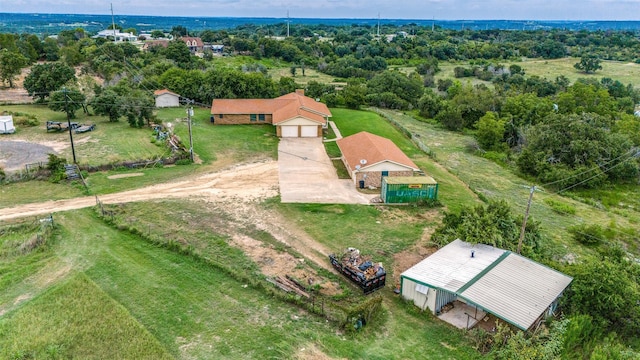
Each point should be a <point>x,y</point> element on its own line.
<point>294,114</point>
<point>115,34</point>
<point>152,43</point>
<point>166,98</point>
<point>215,48</point>
<point>194,44</point>
<point>370,157</point>
<point>6,124</point>
<point>462,282</point>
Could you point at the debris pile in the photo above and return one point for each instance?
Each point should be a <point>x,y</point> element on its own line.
<point>360,269</point>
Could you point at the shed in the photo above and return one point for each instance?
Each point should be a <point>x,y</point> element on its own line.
<point>408,189</point>
<point>6,124</point>
<point>513,288</point>
<point>166,98</point>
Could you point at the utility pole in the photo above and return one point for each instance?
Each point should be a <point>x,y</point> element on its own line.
<point>524,221</point>
<point>113,24</point>
<point>66,109</point>
<point>287,23</point>
<point>189,115</point>
<point>378,25</point>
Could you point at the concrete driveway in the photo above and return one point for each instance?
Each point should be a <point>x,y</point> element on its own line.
<point>308,176</point>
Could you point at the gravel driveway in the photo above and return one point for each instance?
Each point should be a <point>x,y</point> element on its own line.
<point>15,154</point>
<point>308,176</point>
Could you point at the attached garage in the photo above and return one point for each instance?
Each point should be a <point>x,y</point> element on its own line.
<point>309,131</point>
<point>289,131</point>
<point>299,127</point>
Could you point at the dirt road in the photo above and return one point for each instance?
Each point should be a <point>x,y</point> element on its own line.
<point>243,183</point>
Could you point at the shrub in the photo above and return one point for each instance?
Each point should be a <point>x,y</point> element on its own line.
<point>587,234</point>
<point>560,208</point>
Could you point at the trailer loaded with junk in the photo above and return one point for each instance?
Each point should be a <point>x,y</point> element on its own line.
<point>369,276</point>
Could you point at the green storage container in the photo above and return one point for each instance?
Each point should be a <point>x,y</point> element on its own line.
<point>408,189</point>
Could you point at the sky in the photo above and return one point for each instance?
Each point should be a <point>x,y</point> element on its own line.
<point>399,9</point>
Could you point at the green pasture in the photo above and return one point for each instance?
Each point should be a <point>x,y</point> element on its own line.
<point>626,73</point>
<point>100,292</point>
<point>493,181</point>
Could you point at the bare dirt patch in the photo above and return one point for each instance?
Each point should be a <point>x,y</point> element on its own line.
<point>17,94</point>
<point>122,176</point>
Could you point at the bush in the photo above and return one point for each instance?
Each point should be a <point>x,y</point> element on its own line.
<point>560,208</point>
<point>588,234</point>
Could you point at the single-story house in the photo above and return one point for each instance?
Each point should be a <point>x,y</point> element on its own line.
<point>153,43</point>
<point>513,288</point>
<point>166,98</point>
<point>293,114</point>
<point>215,48</point>
<point>6,124</point>
<point>194,44</point>
<point>115,34</point>
<point>369,157</point>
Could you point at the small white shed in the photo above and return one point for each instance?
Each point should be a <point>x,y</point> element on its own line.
<point>6,125</point>
<point>166,98</point>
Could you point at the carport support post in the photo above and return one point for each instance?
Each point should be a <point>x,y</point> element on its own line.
<point>66,109</point>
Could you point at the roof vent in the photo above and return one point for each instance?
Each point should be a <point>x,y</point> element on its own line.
<point>473,253</point>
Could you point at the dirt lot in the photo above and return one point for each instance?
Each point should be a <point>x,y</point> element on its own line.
<point>17,94</point>
<point>15,154</point>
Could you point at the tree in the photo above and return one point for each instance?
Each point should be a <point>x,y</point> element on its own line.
<point>138,108</point>
<point>490,131</point>
<point>46,78</point>
<point>588,64</point>
<point>493,225</point>
<point>179,31</point>
<point>607,290</point>
<point>157,34</point>
<point>67,101</point>
<point>179,52</point>
<point>11,64</point>
<point>578,150</point>
<point>354,94</point>
<point>108,103</point>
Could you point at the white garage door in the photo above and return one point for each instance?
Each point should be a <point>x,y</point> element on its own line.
<point>309,131</point>
<point>289,131</point>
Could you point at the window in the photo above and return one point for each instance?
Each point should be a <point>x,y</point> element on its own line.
<point>252,117</point>
<point>261,117</point>
<point>221,116</point>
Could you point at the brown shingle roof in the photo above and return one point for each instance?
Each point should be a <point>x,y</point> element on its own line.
<point>372,148</point>
<point>191,40</point>
<point>164,91</point>
<point>283,108</point>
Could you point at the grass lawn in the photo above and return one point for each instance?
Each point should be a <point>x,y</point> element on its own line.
<point>452,192</point>
<point>215,146</point>
<point>110,142</point>
<point>169,305</point>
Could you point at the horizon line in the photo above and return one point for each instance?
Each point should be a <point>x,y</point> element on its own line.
<point>327,18</point>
